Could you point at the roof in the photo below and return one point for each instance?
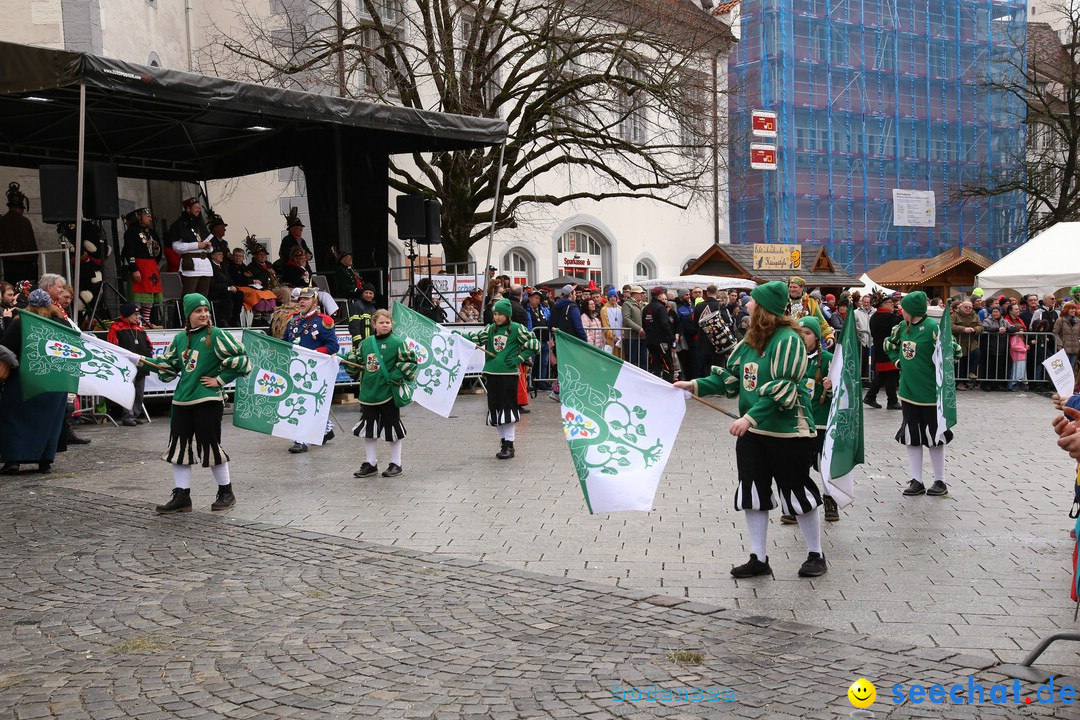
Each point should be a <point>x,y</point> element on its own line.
<point>154,122</point>
<point>1046,263</point>
<point>920,271</point>
<point>725,7</point>
<point>818,269</point>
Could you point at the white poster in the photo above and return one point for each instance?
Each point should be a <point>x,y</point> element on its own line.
<point>913,208</point>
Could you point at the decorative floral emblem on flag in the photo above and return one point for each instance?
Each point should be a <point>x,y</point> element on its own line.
<point>750,375</point>
<point>499,342</point>
<point>578,426</point>
<point>907,347</point>
<point>60,349</point>
<point>421,350</point>
<point>269,383</point>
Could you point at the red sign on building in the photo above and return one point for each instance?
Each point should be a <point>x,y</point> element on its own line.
<point>763,123</point>
<point>762,157</point>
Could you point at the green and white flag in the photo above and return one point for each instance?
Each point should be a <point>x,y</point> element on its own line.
<point>620,423</point>
<point>945,374</point>
<point>442,359</point>
<point>58,358</point>
<point>843,448</point>
<point>288,392</point>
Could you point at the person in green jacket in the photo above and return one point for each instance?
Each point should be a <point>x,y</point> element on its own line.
<point>911,346</point>
<point>383,362</point>
<point>776,430</point>
<point>507,345</point>
<point>206,359</point>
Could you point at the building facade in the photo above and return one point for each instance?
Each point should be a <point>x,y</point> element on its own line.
<point>873,96</point>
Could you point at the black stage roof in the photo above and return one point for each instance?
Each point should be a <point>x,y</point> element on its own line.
<point>157,123</point>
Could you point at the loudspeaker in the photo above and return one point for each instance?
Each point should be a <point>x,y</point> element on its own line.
<point>433,224</point>
<point>101,199</point>
<point>410,217</point>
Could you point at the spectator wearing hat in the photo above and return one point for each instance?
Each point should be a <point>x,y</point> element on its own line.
<point>347,282</point>
<point>216,237</point>
<point>312,330</point>
<point>800,305</point>
<point>142,261</point>
<point>911,346</point>
<point>206,359</point>
<point>294,237</point>
<point>17,236</point>
<point>294,273</point>
<point>126,332</point>
<point>565,316</point>
<point>30,428</point>
<point>634,342</point>
<point>659,334</point>
<point>226,297</point>
<point>775,432</point>
<point>187,238</point>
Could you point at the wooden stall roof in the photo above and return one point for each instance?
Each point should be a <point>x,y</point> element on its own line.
<point>921,271</point>
<point>818,269</point>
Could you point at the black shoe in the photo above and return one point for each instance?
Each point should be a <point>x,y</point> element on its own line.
<point>753,568</point>
<point>788,520</point>
<point>225,498</point>
<point>814,566</point>
<point>938,489</point>
<point>392,470</point>
<point>894,406</point>
<point>328,436</point>
<point>872,403</point>
<point>72,439</point>
<point>44,468</point>
<point>366,470</point>
<point>141,421</point>
<point>915,488</point>
<point>524,409</point>
<point>129,422</point>
<point>181,502</point>
<point>507,451</point>
<point>298,447</point>
<point>9,469</point>
<point>832,512</point>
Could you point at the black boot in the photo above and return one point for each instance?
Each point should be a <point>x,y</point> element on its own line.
<point>181,502</point>
<point>507,451</point>
<point>71,438</point>
<point>225,498</point>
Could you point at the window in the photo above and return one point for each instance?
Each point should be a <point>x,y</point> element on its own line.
<point>580,255</point>
<point>480,56</point>
<point>644,270</point>
<point>632,116</point>
<point>693,114</point>
<point>520,266</point>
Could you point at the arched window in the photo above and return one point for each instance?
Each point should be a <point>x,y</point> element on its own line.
<point>520,266</point>
<point>153,60</point>
<point>644,269</point>
<point>581,255</point>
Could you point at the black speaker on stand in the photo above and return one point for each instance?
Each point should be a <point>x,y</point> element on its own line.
<point>419,223</point>
<point>101,198</point>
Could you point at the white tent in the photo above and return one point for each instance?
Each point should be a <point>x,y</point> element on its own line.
<point>868,287</point>
<point>1046,263</point>
<point>701,281</point>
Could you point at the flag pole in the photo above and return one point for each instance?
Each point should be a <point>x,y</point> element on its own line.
<point>717,408</point>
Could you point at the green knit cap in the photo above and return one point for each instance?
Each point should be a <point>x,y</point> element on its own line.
<point>1074,289</point>
<point>503,306</point>
<point>811,321</point>
<point>193,301</point>
<point>772,297</point>
<point>915,303</point>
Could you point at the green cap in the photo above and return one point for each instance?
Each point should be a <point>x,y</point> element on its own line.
<point>772,297</point>
<point>915,303</point>
<point>503,307</point>
<point>811,321</point>
<point>193,301</point>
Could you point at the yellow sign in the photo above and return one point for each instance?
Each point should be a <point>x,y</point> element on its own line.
<point>769,256</point>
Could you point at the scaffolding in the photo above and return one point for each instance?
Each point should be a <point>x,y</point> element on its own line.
<point>873,95</point>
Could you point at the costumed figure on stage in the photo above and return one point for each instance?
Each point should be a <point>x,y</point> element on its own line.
<point>142,257</point>
<point>775,432</point>
<point>187,237</point>
<point>385,365</point>
<point>259,297</point>
<point>312,330</point>
<point>294,273</point>
<point>30,429</point>
<point>206,359</point>
<point>911,346</point>
<point>507,346</point>
<point>17,235</point>
<point>347,282</point>
<point>294,238</point>
<point>800,305</point>
<point>363,310</point>
<point>95,250</point>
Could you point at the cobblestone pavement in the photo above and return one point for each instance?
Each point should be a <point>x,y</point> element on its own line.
<point>981,574</point>
<point>112,612</point>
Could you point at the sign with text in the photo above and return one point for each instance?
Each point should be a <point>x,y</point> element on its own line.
<point>771,256</point>
<point>913,208</point>
<point>763,123</point>
<point>762,157</point>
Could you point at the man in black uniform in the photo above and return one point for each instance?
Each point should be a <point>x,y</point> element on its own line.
<point>142,255</point>
<point>360,317</point>
<point>17,235</point>
<point>659,335</point>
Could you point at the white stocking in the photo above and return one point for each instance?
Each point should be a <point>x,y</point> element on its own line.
<point>182,476</point>
<point>914,454</point>
<point>369,450</point>
<point>395,452</point>
<point>757,523</point>
<point>937,459</point>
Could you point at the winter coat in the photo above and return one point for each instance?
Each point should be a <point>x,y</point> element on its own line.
<point>1068,334</point>
<point>967,341</point>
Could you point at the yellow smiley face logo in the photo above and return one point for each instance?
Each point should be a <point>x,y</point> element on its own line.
<point>862,693</point>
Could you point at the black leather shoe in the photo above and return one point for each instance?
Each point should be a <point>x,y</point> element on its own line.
<point>72,439</point>
<point>225,498</point>
<point>894,406</point>
<point>872,403</point>
<point>298,447</point>
<point>814,566</point>
<point>392,470</point>
<point>44,468</point>
<point>366,470</point>
<point>507,451</point>
<point>753,568</point>
<point>9,469</point>
<point>915,488</point>
<point>328,437</point>
<point>180,502</point>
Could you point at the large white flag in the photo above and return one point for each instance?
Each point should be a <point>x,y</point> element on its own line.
<point>620,423</point>
<point>843,448</point>
<point>442,359</point>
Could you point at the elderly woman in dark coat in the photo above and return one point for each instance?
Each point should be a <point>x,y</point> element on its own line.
<point>29,429</point>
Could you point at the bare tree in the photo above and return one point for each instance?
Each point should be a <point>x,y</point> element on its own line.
<point>1039,75</point>
<point>603,98</point>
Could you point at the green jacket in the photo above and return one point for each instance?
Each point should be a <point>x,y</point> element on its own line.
<point>771,389</point>
<point>195,354</point>
<point>820,398</point>
<point>911,347</point>
<point>507,346</point>
<point>389,351</point>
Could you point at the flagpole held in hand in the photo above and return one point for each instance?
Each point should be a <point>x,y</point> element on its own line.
<point>717,408</point>
<point>477,345</point>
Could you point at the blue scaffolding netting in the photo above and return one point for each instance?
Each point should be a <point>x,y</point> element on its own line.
<point>873,95</point>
